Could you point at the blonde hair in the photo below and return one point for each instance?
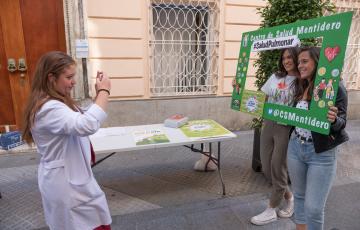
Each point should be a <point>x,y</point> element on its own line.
<point>42,90</point>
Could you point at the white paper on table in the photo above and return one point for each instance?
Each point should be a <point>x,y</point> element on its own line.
<point>112,131</point>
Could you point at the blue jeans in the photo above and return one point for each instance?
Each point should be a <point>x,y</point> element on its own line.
<point>311,177</point>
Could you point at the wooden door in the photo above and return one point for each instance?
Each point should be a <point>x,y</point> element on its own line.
<point>28,29</point>
<point>6,102</point>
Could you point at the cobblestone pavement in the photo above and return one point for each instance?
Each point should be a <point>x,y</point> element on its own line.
<point>157,189</point>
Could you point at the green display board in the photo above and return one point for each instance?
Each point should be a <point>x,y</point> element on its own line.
<point>199,129</point>
<point>252,102</point>
<point>334,31</point>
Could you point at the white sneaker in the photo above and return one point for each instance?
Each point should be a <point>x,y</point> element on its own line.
<point>200,165</point>
<point>267,216</point>
<point>288,210</point>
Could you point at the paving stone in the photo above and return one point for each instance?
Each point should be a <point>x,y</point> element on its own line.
<point>343,207</point>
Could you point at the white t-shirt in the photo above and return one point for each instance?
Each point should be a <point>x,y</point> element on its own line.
<point>280,90</point>
<point>303,132</point>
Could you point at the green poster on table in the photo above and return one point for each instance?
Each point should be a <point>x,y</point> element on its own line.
<point>198,129</point>
<point>148,137</point>
<point>334,32</point>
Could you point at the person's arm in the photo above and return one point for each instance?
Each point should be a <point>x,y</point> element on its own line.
<point>57,118</point>
<point>233,83</point>
<point>102,87</point>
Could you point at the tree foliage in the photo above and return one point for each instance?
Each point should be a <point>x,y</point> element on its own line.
<point>279,12</point>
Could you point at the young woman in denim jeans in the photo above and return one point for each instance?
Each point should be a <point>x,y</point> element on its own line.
<point>312,156</point>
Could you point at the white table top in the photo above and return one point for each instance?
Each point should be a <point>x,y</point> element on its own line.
<point>119,139</point>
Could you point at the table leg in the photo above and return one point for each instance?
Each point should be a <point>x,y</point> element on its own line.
<point>211,158</point>
<point>219,169</point>
<point>102,159</point>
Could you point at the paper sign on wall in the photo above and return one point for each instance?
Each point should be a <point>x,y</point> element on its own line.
<point>82,48</point>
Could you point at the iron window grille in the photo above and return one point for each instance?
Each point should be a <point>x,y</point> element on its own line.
<point>183,47</point>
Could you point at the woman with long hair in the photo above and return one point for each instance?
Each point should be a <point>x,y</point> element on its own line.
<point>71,197</point>
<point>312,156</point>
<point>279,89</point>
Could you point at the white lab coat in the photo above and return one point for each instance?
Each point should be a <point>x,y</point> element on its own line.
<point>71,197</point>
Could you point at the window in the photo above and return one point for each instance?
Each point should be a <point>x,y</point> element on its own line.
<point>183,47</point>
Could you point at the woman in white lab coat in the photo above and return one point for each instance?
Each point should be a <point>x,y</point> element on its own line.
<point>71,197</point>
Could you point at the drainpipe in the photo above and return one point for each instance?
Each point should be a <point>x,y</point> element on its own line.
<point>83,60</point>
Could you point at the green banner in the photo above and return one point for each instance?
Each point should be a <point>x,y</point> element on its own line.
<point>334,31</point>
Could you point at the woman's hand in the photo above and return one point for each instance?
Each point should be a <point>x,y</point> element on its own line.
<point>102,82</point>
<point>332,114</point>
<point>234,82</point>
<point>102,87</point>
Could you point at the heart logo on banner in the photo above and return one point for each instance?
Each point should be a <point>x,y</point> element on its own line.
<point>331,52</point>
<point>270,111</point>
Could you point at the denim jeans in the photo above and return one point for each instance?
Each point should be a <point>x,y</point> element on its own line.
<point>311,177</point>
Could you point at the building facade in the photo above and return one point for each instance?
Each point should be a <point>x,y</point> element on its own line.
<point>166,56</point>
<point>180,56</point>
